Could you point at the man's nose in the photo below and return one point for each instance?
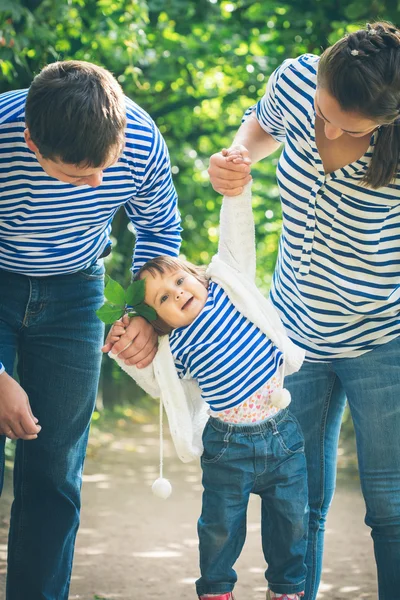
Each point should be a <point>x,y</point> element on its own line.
<point>95,179</point>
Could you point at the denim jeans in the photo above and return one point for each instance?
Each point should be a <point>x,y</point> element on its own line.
<point>265,459</point>
<point>51,325</point>
<point>371,384</point>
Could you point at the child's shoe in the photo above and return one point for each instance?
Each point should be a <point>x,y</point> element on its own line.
<point>273,596</point>
<point>227,596</point>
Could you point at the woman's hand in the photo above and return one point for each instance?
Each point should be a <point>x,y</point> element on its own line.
<point>228,175</point>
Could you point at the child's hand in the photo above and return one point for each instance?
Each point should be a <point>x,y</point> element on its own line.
<point>117,330</point>
<point>237,155</point>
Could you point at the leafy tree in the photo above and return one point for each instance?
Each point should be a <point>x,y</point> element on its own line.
<point>195,66</point>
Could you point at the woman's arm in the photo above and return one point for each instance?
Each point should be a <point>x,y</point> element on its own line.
<point>230,178</point>
<point>261,133</point>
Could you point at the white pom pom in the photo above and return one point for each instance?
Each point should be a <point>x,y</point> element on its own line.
<point>280,398</point>
<point>162,488</point>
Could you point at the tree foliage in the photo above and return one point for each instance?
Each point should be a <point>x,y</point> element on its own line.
<point>195,66</point>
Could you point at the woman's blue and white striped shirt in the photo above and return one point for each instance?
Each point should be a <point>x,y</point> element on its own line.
<point>229,357</point>
<point>48,227</point>
<point>337,279</point>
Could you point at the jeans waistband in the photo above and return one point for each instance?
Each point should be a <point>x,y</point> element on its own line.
<point>246,428</point>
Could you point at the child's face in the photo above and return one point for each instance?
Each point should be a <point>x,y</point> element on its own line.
<point>177,296</point>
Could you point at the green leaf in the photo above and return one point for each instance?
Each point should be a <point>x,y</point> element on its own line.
<point>108,313</point>
<point>114,292</point>
<point>143,310</point>
<point>135,292</point>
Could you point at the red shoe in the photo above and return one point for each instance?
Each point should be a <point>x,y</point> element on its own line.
<point>227,596</point>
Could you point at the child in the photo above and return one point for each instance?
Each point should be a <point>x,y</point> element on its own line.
<point>217,336</point>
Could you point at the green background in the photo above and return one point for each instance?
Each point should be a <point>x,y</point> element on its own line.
<point>195,66</point>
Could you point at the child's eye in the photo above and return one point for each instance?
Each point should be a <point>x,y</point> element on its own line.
<point>163,298</point>
<point>180,281</point>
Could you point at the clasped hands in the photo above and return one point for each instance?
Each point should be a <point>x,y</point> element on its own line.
<point>133,340</point>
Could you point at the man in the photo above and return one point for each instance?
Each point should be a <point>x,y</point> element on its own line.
<point>73,150</point>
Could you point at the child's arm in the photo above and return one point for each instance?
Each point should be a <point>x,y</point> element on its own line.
<point>118,329</point>
<point>145,377</point>
<point>237,236</point>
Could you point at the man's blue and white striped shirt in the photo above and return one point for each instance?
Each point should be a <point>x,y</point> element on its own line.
<point>48,227</point>
<point>229,357</point>
<point>337,279</point>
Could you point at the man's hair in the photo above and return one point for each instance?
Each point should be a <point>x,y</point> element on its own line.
<point>168,264</point>
<point>76,113</point>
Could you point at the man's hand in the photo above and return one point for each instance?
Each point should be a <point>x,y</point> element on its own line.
<point>228,176</point>
<point>16,418</point>
<point>137,345</point>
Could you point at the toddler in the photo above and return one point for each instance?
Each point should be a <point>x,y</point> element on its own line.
<point>217,336</point>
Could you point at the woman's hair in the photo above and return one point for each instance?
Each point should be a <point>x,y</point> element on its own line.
<point>362,72</point>
<point>168,264</point>
<point>75,112</point>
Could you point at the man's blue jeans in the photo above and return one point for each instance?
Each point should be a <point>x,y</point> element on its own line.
<point>265,459</point>
<point>371,384</point>
<point>51,325</point>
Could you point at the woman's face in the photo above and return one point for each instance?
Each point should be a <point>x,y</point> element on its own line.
<point>338,122</point>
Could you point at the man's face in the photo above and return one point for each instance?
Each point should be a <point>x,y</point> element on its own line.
<point>73,174</point>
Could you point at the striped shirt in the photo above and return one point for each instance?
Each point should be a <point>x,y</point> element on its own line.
<point>48,227</point>
<point>2,368</point>
<point>229,357</point>
<point>337,280</point>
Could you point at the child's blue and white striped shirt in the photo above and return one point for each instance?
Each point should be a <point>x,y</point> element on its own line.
<point>229,357</point>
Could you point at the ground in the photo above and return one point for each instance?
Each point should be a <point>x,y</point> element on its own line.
<point>135,546</point>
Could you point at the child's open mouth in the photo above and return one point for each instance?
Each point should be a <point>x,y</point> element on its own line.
<point>187,304</point>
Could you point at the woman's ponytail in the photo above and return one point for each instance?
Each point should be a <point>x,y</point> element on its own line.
<point>384,165</point>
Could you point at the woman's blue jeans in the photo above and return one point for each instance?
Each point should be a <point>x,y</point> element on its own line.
<point>371,384</point>
<point>51,325</point>
<point>265,459</point>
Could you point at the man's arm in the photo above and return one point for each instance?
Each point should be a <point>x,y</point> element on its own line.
<point>156,219</point>
<point>153,211</point>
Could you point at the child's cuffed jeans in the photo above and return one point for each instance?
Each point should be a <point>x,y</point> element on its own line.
<point>266,459</point>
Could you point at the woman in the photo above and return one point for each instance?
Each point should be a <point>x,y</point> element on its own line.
<point>337,280</point>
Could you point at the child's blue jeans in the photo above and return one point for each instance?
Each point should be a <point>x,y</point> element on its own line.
<point>265,459</point>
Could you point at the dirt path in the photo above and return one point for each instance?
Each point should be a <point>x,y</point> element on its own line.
<point>134,546</point>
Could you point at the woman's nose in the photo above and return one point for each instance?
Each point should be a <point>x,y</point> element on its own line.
<point>332,133</point>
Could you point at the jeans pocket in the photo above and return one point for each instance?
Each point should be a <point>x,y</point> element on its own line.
<point>94,272</point>
<point>289,435</point>
<point>215,444</point>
